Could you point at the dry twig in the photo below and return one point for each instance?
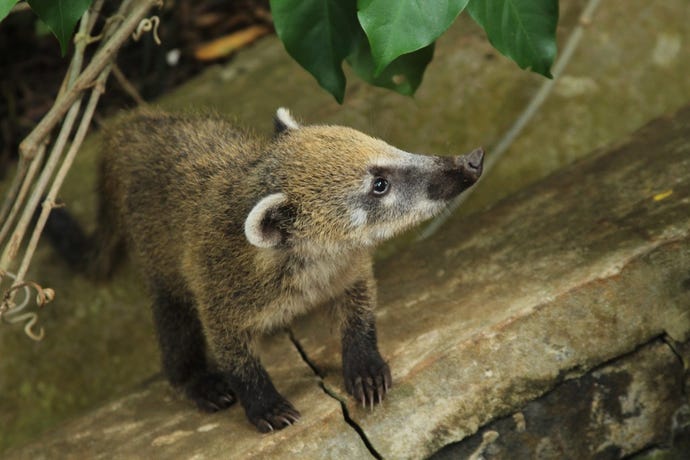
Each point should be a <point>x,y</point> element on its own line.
<point>127,86</point>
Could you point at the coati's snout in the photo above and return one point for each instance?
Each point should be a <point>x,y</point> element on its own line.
<point>456,175</point>
<point>405,189</point>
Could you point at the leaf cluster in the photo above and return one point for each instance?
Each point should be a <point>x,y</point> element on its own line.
<point>389,43</point>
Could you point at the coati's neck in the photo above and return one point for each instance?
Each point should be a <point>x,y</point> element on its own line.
<point>315,271</point>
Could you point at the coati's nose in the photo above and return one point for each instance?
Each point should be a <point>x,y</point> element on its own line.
<point>455,175</point>
<point>471,165</point>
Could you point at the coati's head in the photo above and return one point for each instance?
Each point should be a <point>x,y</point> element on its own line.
<point>333,185</point>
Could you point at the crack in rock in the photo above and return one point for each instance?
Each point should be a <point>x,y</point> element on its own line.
<point>329,392</point>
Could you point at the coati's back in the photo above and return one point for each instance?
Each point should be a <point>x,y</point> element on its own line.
<point>157,173</point>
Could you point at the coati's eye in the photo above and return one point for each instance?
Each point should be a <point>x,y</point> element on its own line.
<point>380,186</point>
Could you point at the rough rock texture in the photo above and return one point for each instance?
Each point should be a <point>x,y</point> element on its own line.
<point>616,410</point>
<point>575,271</point>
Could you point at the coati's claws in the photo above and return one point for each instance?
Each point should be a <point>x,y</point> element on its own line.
<point>228,398</point>
<point>284,419</point>
<point>380,392</point>
<point>211,392</point>
<point>264,427</point>
<point>369,385</point>
<point>273,417</point>
<point>205,406</point>
<point>381,388</point>
<point>294,416</point>
<point>370,392</point>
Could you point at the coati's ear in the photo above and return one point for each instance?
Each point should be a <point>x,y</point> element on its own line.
<point>268,221</point>
<point>283,121</point>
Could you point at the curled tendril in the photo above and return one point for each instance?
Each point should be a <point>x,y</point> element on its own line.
<point>10,311</point>
<point>146,25</point>
<point>31,319</point>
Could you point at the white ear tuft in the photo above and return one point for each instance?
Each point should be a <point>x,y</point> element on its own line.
<point>258,227</point>
<point>284,121</point>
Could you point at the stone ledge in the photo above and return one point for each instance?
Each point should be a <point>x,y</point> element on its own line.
<point>476,322</point>
<point>156,422</point>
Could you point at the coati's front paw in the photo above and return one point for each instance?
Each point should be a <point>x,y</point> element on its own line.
<point>367,380</point>
<point>210,392</point>
<point>271,413</point>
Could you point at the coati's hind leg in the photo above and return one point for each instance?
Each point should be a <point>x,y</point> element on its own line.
<point>183,350</point>
<point>264,406</point>
<point>267,409</point>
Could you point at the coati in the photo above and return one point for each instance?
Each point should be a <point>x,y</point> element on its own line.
<point>236,235</point>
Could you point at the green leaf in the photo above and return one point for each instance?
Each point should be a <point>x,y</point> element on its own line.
<point>318,34</point>
<point>523,30</point>
<point>61,16</point>
<point>403,75</point>
<point>6,7</point>
<point>397,27</point>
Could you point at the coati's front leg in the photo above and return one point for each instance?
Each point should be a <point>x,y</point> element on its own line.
<point>267,409</point>
<point>367,376</point>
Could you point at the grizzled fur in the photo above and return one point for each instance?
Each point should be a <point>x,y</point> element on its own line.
<point>236,235</point>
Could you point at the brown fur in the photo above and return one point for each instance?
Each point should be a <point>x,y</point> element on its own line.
<point>178,190</point>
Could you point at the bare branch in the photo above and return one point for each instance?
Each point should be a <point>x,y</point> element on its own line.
<point>17,237</point>
<point>25,179</point>
<point>12,193</point>
<point>25,176</point>
<point>48,204</point>
<point>100,60</point>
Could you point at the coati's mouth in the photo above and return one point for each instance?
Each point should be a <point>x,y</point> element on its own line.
<point>375,233</point>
